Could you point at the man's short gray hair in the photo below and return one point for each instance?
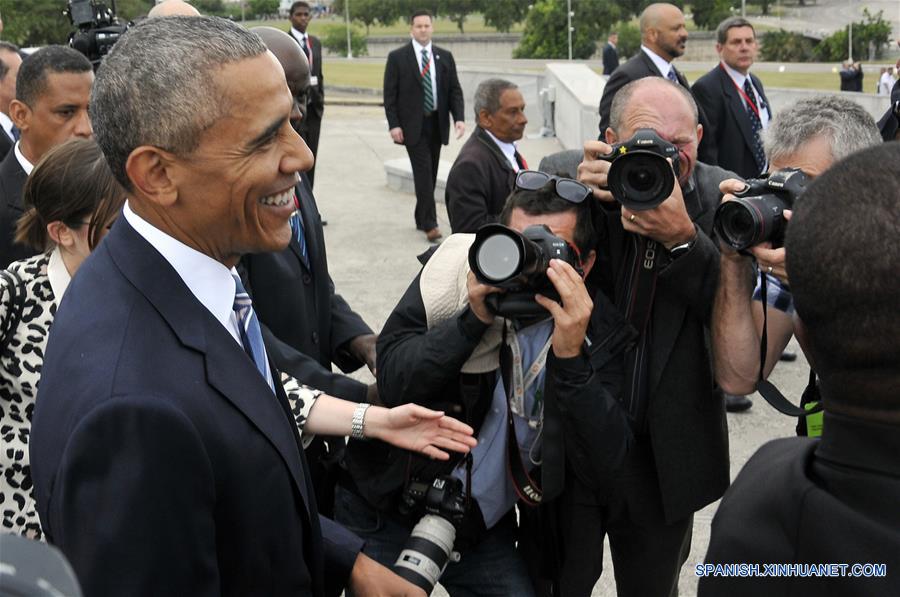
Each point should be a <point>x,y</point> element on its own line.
<point>157,86</point>
<point>622,99</point>
<point>487,95</point>
<point>846,126</point>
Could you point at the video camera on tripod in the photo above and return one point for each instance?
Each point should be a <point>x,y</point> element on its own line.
<point>97,28</point>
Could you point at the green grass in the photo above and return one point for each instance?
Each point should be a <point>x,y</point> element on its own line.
<point>473,24</point>
<point>353,74</point>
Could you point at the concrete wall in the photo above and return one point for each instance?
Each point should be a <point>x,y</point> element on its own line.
<point>529,83</point>
<point>578,93</point>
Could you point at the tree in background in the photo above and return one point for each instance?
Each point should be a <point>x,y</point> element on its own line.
<point>786,46</point>
<point>335,40</point>
<point>210,7</point>
<point>369,12</point>
<point>709,13</point>
<point>545,34</point>
<point>629,39</point>
<point>263,8</point>
<point>458,10</point>
<point>503,14</point>
<point>873,31</point>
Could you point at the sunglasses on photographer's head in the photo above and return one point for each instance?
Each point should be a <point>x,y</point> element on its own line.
<point>566,188</point>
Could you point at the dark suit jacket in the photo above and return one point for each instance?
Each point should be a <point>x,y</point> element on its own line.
<point>638,67</point>
<point>162,463</point>
<point>306,324</point>
<point>6,144</point>
<point>610,59</point>
<point>811,501</point>
<point>685,414</point>
<point>404,98</point>
<point>728,132</point>
<point>12,181</point>
<point>316,103</point>
<point>479,182</point>
<point>851,79</point>
<point>890,122</point>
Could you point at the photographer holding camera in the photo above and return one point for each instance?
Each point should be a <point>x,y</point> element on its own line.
<point>810,135</point>
<point>536,381</point>
<point>659,261</point>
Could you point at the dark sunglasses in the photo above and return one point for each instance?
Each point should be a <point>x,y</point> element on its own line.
<point>566,188</point>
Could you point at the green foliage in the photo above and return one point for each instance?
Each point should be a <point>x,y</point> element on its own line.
<point>369,12</point>
<point>709,13</point>
<point>503,14</point>
<point>39,23</point>
<point>127,10</point>
<point>629,39</point>
<point>787,46</point>
<point>335,40</point>
<point>872,29</point>
<point>458,10</point>
<point>545,34</point>
<point>210,7</point>
<point>262,8</point>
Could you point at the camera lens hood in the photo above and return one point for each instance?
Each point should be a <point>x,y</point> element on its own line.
<point>641,180</point>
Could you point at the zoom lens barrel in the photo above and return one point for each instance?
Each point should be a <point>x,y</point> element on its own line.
<point>426,552</point>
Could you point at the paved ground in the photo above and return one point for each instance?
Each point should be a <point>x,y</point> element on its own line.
<point>372,244</point>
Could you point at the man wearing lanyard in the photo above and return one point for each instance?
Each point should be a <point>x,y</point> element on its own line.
<point>734,101</point>
<point>312,47</point>
<point>737,111</point>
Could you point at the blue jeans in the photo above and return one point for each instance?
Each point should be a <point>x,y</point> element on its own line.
<point>491,568</point>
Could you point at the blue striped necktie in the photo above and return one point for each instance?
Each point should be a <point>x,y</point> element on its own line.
<point>251,334</point>
<point>672,76</point>
<point>426,82</point>
<point>300,235</point>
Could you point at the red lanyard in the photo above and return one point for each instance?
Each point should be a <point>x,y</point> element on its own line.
<point>750,103</point>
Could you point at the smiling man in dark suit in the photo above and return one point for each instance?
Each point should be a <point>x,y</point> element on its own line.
<point>421,91</point>
<point>663,39</point>
<point>734,101</point>
<point>164,454</point>
<point>53,88</point>
<point>315,105</point>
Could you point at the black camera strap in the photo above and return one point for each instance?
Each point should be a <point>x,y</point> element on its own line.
<point>526,488</point>
<point>766,388</point>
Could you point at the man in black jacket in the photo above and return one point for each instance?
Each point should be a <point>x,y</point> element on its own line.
<point>734,102</point>
<point>663,39</point>
<point>611,54</point>
<point>421,91</point>
<point>484,173</point>
<point>662,265</point>
<point>312,48</point>
<point>9,68</point>
<point>808,502</point>
<point>443,347</point>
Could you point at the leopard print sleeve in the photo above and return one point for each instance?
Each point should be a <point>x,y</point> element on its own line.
<point>300,398</point>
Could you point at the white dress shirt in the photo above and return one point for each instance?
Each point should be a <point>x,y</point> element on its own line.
<point>508,149</point>
<point>739,78</point>
<point>432,71</point>
<point>660,62</point>
<point>209,281</point>
<point>6,123</point>
<point>305,42</point>
<point>23,161</point>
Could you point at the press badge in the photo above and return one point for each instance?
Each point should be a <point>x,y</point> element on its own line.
<point>314,81</point>
<point>814,421</point>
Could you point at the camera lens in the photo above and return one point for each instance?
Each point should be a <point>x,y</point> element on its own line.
<point>498,258</point>
<point>641,180</point>
<point>738,223</point>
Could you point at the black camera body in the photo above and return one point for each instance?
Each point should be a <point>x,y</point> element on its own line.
<point>757,214</point>
<point>97,28</point>
<point>429,548</point>
<point>518,262</point>
<point>640,177</point>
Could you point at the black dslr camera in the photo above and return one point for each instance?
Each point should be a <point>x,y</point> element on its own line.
<point>442,506</point>
<point>97,28</point>
<point>757,215</point>
<point>640,177</point>
<point>502,257</point>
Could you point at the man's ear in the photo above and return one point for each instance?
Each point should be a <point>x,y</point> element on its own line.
<point>611,136</point>
<point>150,170</point>
<point>20,114</point>
<point>588,262</point>
<point>484,119</point>
<point>699,133</point>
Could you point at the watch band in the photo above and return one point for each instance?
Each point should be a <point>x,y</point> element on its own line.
<point>679,250</point>
<point>358,423</point>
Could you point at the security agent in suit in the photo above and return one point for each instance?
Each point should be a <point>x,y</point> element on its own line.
<point>9,69</point>
<point>611,54</point>
<point>735,118</point>
<point>679,462</point>
<point>831,499</point>
<point>53,88</point>
<point>890,122</point>
<point>315,105</point>
<point>663,38</point>
<point>306,324</point>
<point>421,123</point>
<point>484,173</point>
<point>161,420</point>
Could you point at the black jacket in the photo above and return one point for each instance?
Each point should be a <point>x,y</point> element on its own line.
<point>585,431</point>
<point>610,59</point>
<point>316,97</point>
<point>306,324</point>
<point>811,501</point>
<point>637,67</point>
<point>479,182</point>
<point>12,181</point>
<point>890,122</point>
<point>728,132</point>
<point>404,98</point>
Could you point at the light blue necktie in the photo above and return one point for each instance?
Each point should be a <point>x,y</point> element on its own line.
<point>300,235</point>
<point>251,334</point>
<point>671,76</point>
